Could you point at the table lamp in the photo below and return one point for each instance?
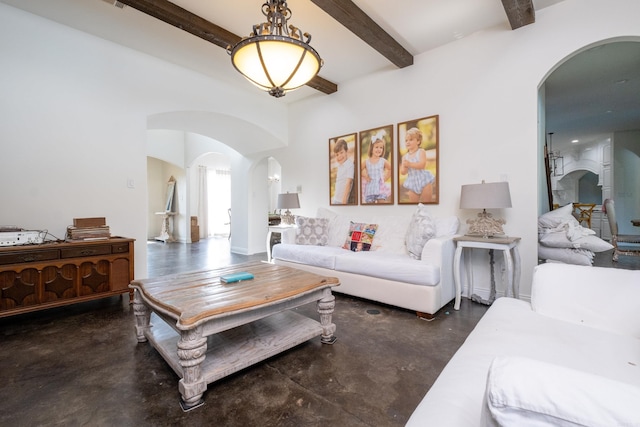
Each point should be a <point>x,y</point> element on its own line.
<point>492,195</point>
<point>288,201</point>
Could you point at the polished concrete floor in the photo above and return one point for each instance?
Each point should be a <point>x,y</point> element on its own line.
<point>81,365</point>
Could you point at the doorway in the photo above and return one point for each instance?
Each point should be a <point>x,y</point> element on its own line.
<point>591,104</point>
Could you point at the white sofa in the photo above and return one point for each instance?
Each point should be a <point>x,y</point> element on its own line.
<point>569,358</point>
<point>386,273</point>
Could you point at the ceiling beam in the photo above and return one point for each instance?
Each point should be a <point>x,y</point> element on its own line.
<point>519,12</point>
<point>181,18</point>
<point>360,24</point>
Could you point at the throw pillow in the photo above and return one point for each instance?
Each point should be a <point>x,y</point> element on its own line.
<point>557,217</point>
<point>560,240</point>
<point>566,255</point>
<point>360,236</point>
<point>311,231</point>
<point>528,392</point>
<point>421,229</point>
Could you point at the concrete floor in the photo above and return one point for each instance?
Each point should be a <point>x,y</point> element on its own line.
<point>82,365</point>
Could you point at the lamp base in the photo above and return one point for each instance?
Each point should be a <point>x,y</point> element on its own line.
<point>486,225</point>
<point>287,218</point>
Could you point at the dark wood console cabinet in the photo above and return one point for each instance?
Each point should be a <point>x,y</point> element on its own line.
<point>36,277</point>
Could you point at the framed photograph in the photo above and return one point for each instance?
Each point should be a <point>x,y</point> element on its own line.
<point>376,166</point>
<point>418,177</point>
<point>343,153</point>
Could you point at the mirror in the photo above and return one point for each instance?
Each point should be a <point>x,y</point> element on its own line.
<point>171,186</point>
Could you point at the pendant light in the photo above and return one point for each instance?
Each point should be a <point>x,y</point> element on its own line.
<point>275,57</point>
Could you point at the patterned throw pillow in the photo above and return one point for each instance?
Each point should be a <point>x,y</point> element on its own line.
<point>311,231</point>
<point>360,236</point>
<point>421,229</point>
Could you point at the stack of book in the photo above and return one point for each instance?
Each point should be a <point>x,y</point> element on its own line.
<point>88,229</point>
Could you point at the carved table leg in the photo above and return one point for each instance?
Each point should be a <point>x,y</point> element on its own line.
<point>192,349</point>
<point>142,315</point>
<point>325,309</point>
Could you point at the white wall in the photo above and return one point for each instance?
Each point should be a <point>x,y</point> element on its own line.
<point>485,89</point>
<point>75,113</point>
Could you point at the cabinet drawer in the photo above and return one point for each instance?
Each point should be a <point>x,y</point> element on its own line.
<point>120,248</point>
<point>85,251</point>
<point>30,256</point>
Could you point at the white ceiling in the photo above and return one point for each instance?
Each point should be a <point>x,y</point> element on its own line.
<point>418,25</point>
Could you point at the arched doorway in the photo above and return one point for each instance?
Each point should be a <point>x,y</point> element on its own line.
<point>591,105</point>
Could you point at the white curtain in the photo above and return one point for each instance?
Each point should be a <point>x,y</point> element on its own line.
<point>203,201</point>
<point>220,202</point>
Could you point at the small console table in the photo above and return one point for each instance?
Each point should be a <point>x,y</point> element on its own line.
<point>509,248</point>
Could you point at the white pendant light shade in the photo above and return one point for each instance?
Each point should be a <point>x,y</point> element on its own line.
<point>271,58</point>
<point>274,62</point>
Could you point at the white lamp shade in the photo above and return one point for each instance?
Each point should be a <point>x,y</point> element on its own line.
<point>288,201</point>
<point>276,61</point>
<point>491,195</point>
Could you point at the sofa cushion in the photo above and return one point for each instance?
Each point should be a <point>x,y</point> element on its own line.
<point>421,229</point>
<point>360,236</point>
<point>311,231</point>
<point>522,391</point>
<point>319,256</point>
<point>511,328</point>
<point>399,268</point>
<point>338,226</point>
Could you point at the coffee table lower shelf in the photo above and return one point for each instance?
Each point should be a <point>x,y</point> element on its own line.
<point>235,349</point>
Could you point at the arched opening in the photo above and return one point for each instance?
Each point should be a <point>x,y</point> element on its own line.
<point>590,105</point>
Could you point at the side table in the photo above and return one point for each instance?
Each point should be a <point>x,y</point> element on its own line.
<point>509,248</point>
<point>165,232</point>
<point>280,228</point>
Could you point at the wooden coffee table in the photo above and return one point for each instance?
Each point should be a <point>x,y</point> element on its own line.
<point>206,329</point>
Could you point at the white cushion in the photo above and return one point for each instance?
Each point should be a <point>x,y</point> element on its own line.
<point>559,239</point>
<point>566,255</point>
<point>311,231</point>
<point>526,392</point>
<point>598,297</point>
<point>421,229</point>
<point>557,217</point>
<point>338,226</point>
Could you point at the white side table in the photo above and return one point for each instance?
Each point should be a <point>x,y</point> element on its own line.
<point>275,229</point>
<point>509,248</point>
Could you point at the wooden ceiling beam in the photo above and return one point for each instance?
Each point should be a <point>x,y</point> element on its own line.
<point>359,23</point>
<point>181,18</point>
<point>519,12</point>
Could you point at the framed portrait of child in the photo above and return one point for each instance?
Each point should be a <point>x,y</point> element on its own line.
<point>376,166</point>
<point>343,173</point>
<point>418,179</point>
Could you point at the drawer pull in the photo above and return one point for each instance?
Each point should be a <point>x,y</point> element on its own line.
<point>30,258</point>
<point>87,252</point>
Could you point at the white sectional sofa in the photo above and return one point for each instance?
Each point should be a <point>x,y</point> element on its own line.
<point>386,273</point>
<point>571,357</point>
